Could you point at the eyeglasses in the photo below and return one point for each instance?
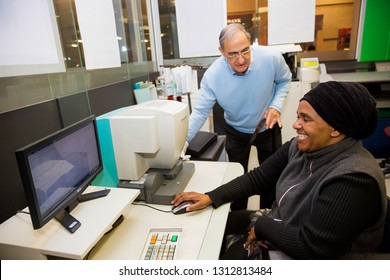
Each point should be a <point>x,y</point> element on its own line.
<point>245,53</point>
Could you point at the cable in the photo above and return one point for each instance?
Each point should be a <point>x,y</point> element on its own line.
<point>147,205</point>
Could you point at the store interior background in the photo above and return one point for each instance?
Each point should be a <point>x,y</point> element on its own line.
<point>34,106</point>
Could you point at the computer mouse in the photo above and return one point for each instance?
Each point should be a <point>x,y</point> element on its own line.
<point>181,208</point>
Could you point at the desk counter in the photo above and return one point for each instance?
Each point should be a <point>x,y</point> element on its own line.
<point>201,238</point>
<point>202,231</point>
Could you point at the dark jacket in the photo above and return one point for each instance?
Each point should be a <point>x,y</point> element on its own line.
<point>329,203</point>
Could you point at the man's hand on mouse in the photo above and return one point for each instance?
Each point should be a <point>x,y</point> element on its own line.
<point>200,200</point>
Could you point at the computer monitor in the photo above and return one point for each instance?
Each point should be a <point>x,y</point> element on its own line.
<point>57,169</point>
<point>149,135</point>
<point>141,147</point>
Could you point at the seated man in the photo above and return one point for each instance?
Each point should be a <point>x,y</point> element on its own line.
<point>330,191</point>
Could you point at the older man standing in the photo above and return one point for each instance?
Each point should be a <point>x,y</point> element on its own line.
<point>250,83</point>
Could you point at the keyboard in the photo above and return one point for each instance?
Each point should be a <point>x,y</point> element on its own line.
<point>161,244</point>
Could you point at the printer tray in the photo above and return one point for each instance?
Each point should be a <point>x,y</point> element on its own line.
<point>200,143</point>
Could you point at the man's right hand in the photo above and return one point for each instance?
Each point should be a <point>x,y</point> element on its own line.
<point>183,155</point>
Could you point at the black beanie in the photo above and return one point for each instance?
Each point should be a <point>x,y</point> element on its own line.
<point>346,106</point>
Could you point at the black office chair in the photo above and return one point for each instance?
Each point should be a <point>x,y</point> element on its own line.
<point>384,247</point>
<point>385,164</point>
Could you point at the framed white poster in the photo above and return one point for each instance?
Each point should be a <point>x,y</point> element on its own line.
<point>98,33</point>
<point>30,42</point>
<point>291,21</point>
<point>199,23</point>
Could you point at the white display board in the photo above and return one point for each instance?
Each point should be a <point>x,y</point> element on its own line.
<point>30,42</point>
<point>98,33</point>
<point>199,23</point>
<point>291,21</point>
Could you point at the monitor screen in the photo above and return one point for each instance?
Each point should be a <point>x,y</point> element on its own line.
<point>57,169</point>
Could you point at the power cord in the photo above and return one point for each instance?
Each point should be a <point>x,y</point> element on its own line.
<point>154,208</point>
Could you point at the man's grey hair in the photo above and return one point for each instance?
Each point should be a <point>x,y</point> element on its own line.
<point>228,31</point>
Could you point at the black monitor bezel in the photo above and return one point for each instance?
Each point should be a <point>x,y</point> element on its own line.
<point>69,202</point>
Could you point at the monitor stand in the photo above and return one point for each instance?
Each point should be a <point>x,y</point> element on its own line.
<point>93,195</point>
<point>160,186</point>
<point>165,192</point>
<point>68,221</point>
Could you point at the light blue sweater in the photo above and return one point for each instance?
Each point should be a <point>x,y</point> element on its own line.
<point>244,98</point>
